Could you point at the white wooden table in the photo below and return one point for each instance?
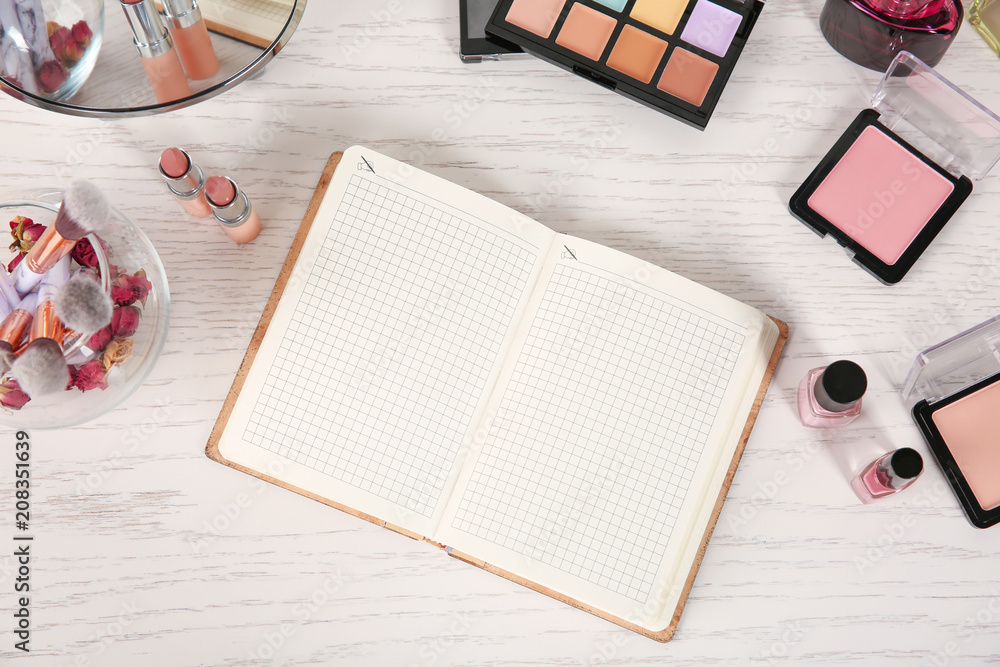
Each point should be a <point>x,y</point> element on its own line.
<point>147,553</point>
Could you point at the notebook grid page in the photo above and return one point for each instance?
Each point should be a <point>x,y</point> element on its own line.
<point>274,10</point>
<point>391,344</point>
<point>599,432</point>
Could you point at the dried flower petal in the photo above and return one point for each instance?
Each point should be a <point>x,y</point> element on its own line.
<point>14,262</point>
<point>126,289</point>
<point>90,375</point>
<point>51,75</point>
<point>125,321</point>
<point>83,253</point>
<point>118,350</point>
<point>82,34</point>
<point>100,340</point>
<point>11,395</point>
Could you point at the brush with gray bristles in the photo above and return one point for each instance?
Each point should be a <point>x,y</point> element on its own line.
<point>40,369</point>
<point>82,305</point>
<point>84,210</point>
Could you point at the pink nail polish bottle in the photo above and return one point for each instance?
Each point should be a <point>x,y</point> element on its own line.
<point>831,395</point>
<point>888,474</point>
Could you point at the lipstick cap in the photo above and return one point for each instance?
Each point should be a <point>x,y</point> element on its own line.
<point>149,34</point>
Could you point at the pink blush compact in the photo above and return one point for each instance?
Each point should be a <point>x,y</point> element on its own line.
<point>881,195</point>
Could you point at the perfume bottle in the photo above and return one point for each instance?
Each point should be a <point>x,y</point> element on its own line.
<point>888,474</point>
<point>831,395</point>
<point>872,32</point>
<point>985,16</point>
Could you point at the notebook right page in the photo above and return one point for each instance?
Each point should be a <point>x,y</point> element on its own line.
<point>610,432</point>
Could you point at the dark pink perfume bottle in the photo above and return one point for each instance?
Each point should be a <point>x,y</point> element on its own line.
<point>888,474</point>
<point>872,32</point>
<point>831,395</point>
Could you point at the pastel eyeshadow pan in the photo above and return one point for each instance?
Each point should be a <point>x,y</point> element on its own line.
<point>969,428</point>
<point>688,76</point>
<point>586,31</point>
<point>637,54</point>
<point>880,194</point>
<point>663,15</point>
<point>617,5</point>
<point>711,27</point>
<point>535,16</point>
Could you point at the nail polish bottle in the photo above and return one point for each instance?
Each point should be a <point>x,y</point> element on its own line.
<point>888,474</point>
<point>985,16</point>
<point>872,32</point>
<point>831,395</point>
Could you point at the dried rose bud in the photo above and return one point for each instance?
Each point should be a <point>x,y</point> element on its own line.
<point>83,254</point>
<point>25,232</point>
<point>59,36</point>
<point>82,34</point>
<point>51,75</point>
<point>126,289</point>
<point>118,350</point>
<point>125,321</point>
<point>69,52</point>
<point>91,375</point>
<point>100,340</point>
<point>11,395</point>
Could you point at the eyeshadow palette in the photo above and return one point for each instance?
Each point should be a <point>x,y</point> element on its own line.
<point>673,55</point>
<point>476,45</point>
<point>959,415</point>
<point>901,170</point>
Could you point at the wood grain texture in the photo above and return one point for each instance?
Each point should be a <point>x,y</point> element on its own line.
<point>148,553</point>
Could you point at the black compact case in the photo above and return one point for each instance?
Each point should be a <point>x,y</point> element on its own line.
<point>476,45</point>
<point>887,273</point>
<point>646,93</point>
<point>923,413</point>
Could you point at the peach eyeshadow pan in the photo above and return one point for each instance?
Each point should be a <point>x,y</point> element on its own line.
<point>971,429</point>
<point>637,54</point>
<point>535,16</point>
<point>586,31</point>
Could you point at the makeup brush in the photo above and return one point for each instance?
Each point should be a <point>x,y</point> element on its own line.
<point>84,210</point>
<point>10,297</point>
<point>82,305</point>
<point>40,368</point>
<point>13,328</point>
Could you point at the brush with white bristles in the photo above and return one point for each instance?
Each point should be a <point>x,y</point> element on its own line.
<point>83,305</point>
<point>84,210</point>
<point>40,368</point>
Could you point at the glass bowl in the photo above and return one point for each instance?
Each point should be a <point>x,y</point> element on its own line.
<point>127,252</point>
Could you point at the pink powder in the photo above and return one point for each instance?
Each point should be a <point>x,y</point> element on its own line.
<point>880,194</point>
<point>970,428</point>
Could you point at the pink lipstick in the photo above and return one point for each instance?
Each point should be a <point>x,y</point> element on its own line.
<point>232,209</point>
<point>186,181</point>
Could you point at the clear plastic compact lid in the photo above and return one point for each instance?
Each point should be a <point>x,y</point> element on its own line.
<point>940,120</point>
<point>957,363</point>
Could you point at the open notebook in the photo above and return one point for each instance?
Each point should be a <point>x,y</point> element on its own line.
<point>257,22</point>
<point>552,410</point>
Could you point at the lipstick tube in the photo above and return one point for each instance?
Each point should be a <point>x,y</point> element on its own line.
<point>159,58</point>
<point>190,35</point>
<point>233,210</point>
<point>187,186</point>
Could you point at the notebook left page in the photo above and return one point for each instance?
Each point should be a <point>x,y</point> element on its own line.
<point>386,341</point>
